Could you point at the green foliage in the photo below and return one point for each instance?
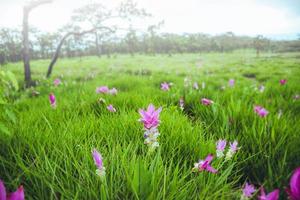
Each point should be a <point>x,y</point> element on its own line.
<point>49,150</point>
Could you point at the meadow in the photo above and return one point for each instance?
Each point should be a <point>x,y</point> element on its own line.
<point>49,150</point>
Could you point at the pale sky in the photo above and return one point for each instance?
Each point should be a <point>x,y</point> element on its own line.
<point>243,17</point>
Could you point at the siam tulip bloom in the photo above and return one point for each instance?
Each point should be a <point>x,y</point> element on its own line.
<point>165,86</point>
<point>52,100</point>
<point>203,85</point>
<point>233,147</point>
<point>294,190</point>
<point>17,195</point>
<point>282,81</point>
<point>113,91</point>
<point>102,89</point>
<point>196,86</point>
<point>204,165</point>
<point>99,163</point>
<point>206,102</point>
<point>57,82</point>
<point>296,97</point>
<point>262,112</point>
<point>150,117</point>
<point>181,103</point>
<point>231,82</point>
<point>271,196</point>
<point>248,191</point>
<point>221,144</point>
<point>111,108</point>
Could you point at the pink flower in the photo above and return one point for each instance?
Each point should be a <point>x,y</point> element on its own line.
<point>221,144</point>
<point>17,195</point>
<point>102,89</point>
<point>294,190</point>
<point>99,163</point>
<point>204,165</point>
<point>165,86</point>
<point>248,190</point>
<point>150,117</point>
<point>262,112</point>
<point>97,159</point>
<point>233,147</point>
<point>196,86</point>
<point>274,195</point>
<point>231,82</point>
<point>52,100</point>
<point>206,102</point>
<point>113,91</point>
<point>57,82</point>
<point>111,108</point>
<point>283,81</point>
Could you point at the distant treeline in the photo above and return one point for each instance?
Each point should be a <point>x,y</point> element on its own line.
<point>43,45</point>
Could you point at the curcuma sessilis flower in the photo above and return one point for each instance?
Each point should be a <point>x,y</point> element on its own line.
<point>102,89</point>
<point>111,108</point>
<point>204,165</point>
<point>274,195</point>
<point>165,86</point>
<point>233,147</point>
<point>282,81</point>
<point>260,111</point>
<point>113,91</point>
<point>221,144</point>
<point>248,191</point>
<point>150,119</point>
<point>206,102</point>
<point>57,82</point>
<point>99,163</point>
<point>294,190</point>
<point>17,195</point>
<point>52,100</point>
<point>231,82</point>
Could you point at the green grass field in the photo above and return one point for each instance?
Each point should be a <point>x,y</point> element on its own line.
<point>49,150</point>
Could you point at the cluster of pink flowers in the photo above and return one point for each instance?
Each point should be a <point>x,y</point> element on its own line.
<point>99,163</point>
<point>259,110</point>
<point>150,120</point>
<point>17,195</point>
<point>220,149</point>
<point>106,90</point>
<point>293,191</point>
<point>165,86</point>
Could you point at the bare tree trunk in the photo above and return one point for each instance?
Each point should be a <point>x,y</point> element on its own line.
<point>26,54</point>
<point>26,57</point>
<point>56,54</point>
